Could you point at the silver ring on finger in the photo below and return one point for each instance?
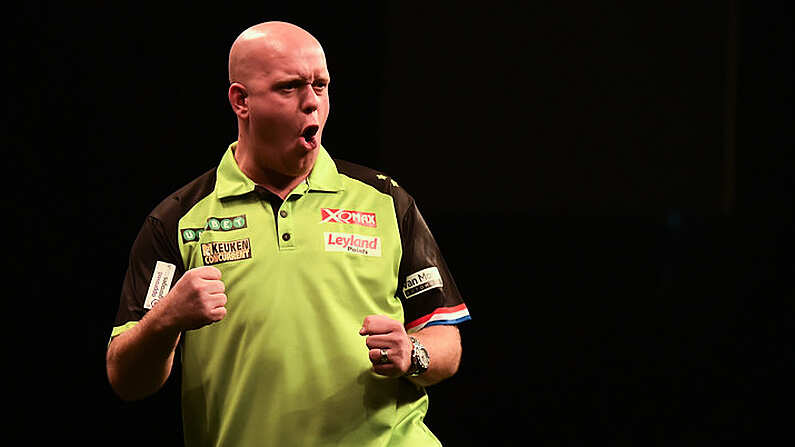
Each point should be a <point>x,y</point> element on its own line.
<point>384,357</point>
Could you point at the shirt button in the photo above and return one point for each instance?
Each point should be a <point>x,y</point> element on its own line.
<point>286,237</point>
<point>283,213</point>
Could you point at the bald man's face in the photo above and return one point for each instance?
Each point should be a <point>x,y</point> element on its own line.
<point>286,87</point>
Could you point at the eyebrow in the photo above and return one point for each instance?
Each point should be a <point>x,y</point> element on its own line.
<point>299,79</point>
<point>291,81</point>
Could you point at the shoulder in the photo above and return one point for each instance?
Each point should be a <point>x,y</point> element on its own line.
<point>178,203</point>
<point>378,180</point>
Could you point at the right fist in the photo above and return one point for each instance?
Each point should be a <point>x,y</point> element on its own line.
<point>196,300</point>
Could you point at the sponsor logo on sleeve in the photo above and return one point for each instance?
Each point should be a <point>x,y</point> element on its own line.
<point>347,217</point>
<point>422,281</point>
<point>214,224</point>
<point>352,243</point>
<point>225,251</point>
<point>160,283</point>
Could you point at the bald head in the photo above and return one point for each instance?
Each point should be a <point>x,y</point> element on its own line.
<point>257,47</point>
<point>279,91</point>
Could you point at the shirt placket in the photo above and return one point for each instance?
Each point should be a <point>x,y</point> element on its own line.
<point>286,218</point>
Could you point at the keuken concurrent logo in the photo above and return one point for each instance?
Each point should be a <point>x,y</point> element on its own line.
<point>225,251</point>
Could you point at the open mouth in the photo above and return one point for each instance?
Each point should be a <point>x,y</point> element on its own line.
<point>309,133</point>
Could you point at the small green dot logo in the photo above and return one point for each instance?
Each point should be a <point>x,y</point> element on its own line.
<point>239,222</point>
<point>213,224</point>
<point>188,235</point>
<point>226,224</point>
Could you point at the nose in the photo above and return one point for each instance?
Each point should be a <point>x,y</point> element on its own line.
<point>310,101</point>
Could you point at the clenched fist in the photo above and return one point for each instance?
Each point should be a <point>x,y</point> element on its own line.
<point>388,335</point>
<point>196,300</point>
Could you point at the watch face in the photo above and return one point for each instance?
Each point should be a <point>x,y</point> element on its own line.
<point>423,359</point>
<point>420,360</point>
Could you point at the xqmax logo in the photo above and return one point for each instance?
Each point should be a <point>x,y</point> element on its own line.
<point>347,217</point>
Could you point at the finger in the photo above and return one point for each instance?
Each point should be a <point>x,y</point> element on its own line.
<point>207,272</point>
<point>376,357</point>
<point>388,370</point>
<point>217,300</point>
<point>378,324</point>
<point>214,286</point>
<point>217,314</point>
<point>381,341</point>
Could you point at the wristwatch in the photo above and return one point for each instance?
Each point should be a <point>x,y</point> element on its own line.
<point>420,360</point>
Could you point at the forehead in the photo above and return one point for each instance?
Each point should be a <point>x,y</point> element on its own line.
<point>307,62</point>
<point>284,57</point>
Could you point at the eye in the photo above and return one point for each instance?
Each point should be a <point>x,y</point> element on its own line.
<point>288,88</point>
<point>320,86</point>
<point>291,86</point>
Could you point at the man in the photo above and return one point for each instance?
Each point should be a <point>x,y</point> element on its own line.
<point>309,299</point>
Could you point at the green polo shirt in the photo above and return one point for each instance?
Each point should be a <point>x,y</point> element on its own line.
<point>287,365</point>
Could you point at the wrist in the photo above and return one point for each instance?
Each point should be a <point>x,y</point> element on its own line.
<point>161,320</point>
<point>420,360</point>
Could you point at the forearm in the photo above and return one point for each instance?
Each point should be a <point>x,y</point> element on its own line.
<point>139,361</point>
<point>443,343</point>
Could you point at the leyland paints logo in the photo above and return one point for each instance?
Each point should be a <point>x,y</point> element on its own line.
<point>347,217</point>
<point>352,243</point>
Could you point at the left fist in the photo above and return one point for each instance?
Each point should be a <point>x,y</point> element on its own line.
<point>388,336</point>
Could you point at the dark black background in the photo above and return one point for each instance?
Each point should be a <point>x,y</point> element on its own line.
<point>611,185</point>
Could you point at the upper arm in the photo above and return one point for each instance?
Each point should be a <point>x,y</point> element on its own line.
<point>153,243</point>
<point>426,286</point>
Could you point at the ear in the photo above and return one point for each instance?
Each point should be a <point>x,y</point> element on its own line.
<point>238,99</point>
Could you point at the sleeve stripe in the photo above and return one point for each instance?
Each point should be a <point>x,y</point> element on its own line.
<point>118,330</point>
<point>442,315</point>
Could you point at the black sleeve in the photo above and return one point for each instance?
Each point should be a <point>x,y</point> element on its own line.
<point>426,286</point>
<point>152,244</point>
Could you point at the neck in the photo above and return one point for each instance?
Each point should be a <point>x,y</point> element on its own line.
<point>272,180</point>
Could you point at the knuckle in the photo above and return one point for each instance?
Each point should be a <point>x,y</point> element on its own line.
<point>396,340</point>
<point>205,272</point>
<point>207,308</point>
<point>194,281</point>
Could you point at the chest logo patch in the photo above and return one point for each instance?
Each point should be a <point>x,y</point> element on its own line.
<point>214,224</point>
<point>352,243</point>
<point>225,251</point>
<point>347,217</point>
